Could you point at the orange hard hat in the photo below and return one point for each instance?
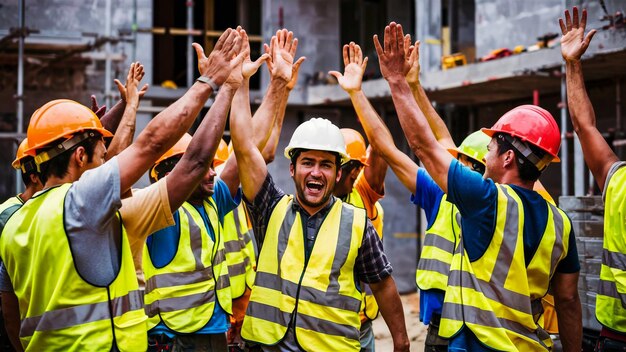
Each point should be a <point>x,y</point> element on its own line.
<point>221,155</point>
<point>355,145</point>
<point>57,119</point>
<point>178,149</point>
<point>534,125</point>
<point>21,154</point>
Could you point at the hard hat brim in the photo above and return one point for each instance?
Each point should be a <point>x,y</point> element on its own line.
<point>490,132</point>
<point>32,151</point>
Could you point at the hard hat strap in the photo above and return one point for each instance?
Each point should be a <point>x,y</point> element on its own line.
<point>62,147</point>
<point>527,153</point>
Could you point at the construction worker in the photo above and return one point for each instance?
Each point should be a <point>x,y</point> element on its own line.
<point>514,244</point>
<point>85,263</point>
<point>609,174</point>
<point>306,296</point>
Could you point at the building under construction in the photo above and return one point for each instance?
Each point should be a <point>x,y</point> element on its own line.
<point>479,58</point>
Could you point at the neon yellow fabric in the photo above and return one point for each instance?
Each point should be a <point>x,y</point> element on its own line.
<point>440,241</point>
<point>497,297</point>
<point>321,292</point>
<point>183,293</point>
<point>240,254</point>
<point>59,310</point>
<point>611,297</point>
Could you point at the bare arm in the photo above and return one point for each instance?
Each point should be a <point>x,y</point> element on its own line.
<point>375,171</point>
<point>11,314</point>
<point>598,154</point>
<point>568,310</point>
<point>124,133</point>
<point>394,67</point>
<point>439,128</point>
<point>111,118</point>
<point>169,125</point>
<point>386,295</point>
<point>377,133</point>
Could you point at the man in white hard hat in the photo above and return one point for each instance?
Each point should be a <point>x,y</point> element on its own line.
<point>314,249</point>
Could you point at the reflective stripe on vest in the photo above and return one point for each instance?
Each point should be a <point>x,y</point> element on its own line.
<point>439,244</point>
<point>59,310</point>
<point>182,294</point>
<point>497,296</point>
<point>318,297</point>
<point>611,297</point>
<point>237,242</point>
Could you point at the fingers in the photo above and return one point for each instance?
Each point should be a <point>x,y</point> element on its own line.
<point>379,49</point>
<point>266,49</point>
<point>296,66</point>
<point>359,54</point>
<point>120,86</point>
<point>236,47</point>
<point>335,74</point>
<point>94,103</point>
<point>407,45</point>
<point>364,64</point>
<point>417,48</point>
<point>222,39</point>
<point>568,21</point>
<point>589,36</point>
<point>562,25</point>
<point>583,20</point>
<point>352,52</point>
<point>575,17</point>
<point>387,39</point>
<point>143,90</point>
<point>260,60</point>
<point>289,42</point>
<point>346,55</point>
<point>400,37</point>
<point>200,50</point>
<point>294,47</point>
<point>230,43</point>
<point>131,72</point>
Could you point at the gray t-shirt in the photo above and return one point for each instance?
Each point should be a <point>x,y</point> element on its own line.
<point>92,227</point>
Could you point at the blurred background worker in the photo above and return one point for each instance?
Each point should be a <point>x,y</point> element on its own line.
<point>610,175</point>
<point>362,184</point>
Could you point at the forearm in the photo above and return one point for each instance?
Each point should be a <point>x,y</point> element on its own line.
<point>112,118</point>
<point>269,151</point>
<point>570,323</point>
<point>386,295</point>
<point>264,117</point>
<point>11,315</point>
<point>439,128</point>
<point>578,103</point>
<point>125,130</point>
<point>377,133</point>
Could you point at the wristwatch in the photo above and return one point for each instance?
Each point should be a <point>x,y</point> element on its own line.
<point>210,82</point>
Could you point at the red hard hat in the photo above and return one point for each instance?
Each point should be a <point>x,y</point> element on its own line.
<point>530,124</point>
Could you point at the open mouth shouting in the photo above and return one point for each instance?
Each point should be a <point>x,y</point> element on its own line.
<point>314,188</point>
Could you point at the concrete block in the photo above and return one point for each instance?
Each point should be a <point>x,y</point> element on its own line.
<point>588,228</point>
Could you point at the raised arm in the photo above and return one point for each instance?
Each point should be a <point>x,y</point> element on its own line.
<point>439,128</point>
<point>377,133</point>
<point>125,132</point>
<point>375,171</point>
<point>394,66</point>
<point>598,154</point>
<point>251,165</point>
<point>169,125</point>
<point>112,118</point>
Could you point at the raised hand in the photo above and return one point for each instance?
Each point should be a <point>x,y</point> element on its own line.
<point>394,65</point>
<point>283,48</point>
<point>294,73</point>
<point>128,91</point>
<point>98,110</point>
<point>355,65</point>
<point>413,77</point>
<point>574,42</point>
<point>249,67</point>
<point>222,59</point>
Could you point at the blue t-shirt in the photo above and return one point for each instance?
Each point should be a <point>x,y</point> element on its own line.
<point>476,199</point>
<point>163,244</point>
<point>428,195</point>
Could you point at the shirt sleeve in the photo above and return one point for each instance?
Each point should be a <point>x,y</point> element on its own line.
<point>224,200</point>
<point>570,264</point>
<point>369,196</point>
<point>372,265</point>
<point>5,280</point>
<point>146,212</point>
<point>427,195</point>
<point>261,207</point>
<point>99,186</point>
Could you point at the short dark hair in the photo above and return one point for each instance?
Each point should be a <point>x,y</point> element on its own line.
<point>28,164</point>
<point>295,153</point>
<point>58,165</point>
<point>527,170</point>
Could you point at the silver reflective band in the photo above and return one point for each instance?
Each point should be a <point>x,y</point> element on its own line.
<point>83,314</point>
<point>178,279</point>
<point>179,303</point>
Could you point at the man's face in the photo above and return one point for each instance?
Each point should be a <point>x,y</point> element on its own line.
<point>492,162</point>
<point>349,173</point>
<point>315,175</point>
<point>205,188</point>
<point>99,152</point>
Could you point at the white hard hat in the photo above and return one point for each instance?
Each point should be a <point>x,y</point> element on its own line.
<point>318,134</point>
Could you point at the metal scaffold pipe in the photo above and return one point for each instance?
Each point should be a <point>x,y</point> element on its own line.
<point>564,150</point>
<point>107,49</point>
<point>19,187</point>
<point>190,51</point>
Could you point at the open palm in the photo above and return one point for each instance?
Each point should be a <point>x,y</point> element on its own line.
<point>574,43</point>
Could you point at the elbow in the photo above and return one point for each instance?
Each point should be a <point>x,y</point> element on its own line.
<point>269,157</point>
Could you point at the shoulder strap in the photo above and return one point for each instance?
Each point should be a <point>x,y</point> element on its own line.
<point>6,214</point>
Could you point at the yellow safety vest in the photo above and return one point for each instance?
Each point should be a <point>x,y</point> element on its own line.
<point>183,293</point>
<point>369,308</point>
<point>317,297</point>
<point>497,297</point>
<point>239,248</point>
<point>439,244</point>
<point>611,297</point>
<point>59,310</point>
